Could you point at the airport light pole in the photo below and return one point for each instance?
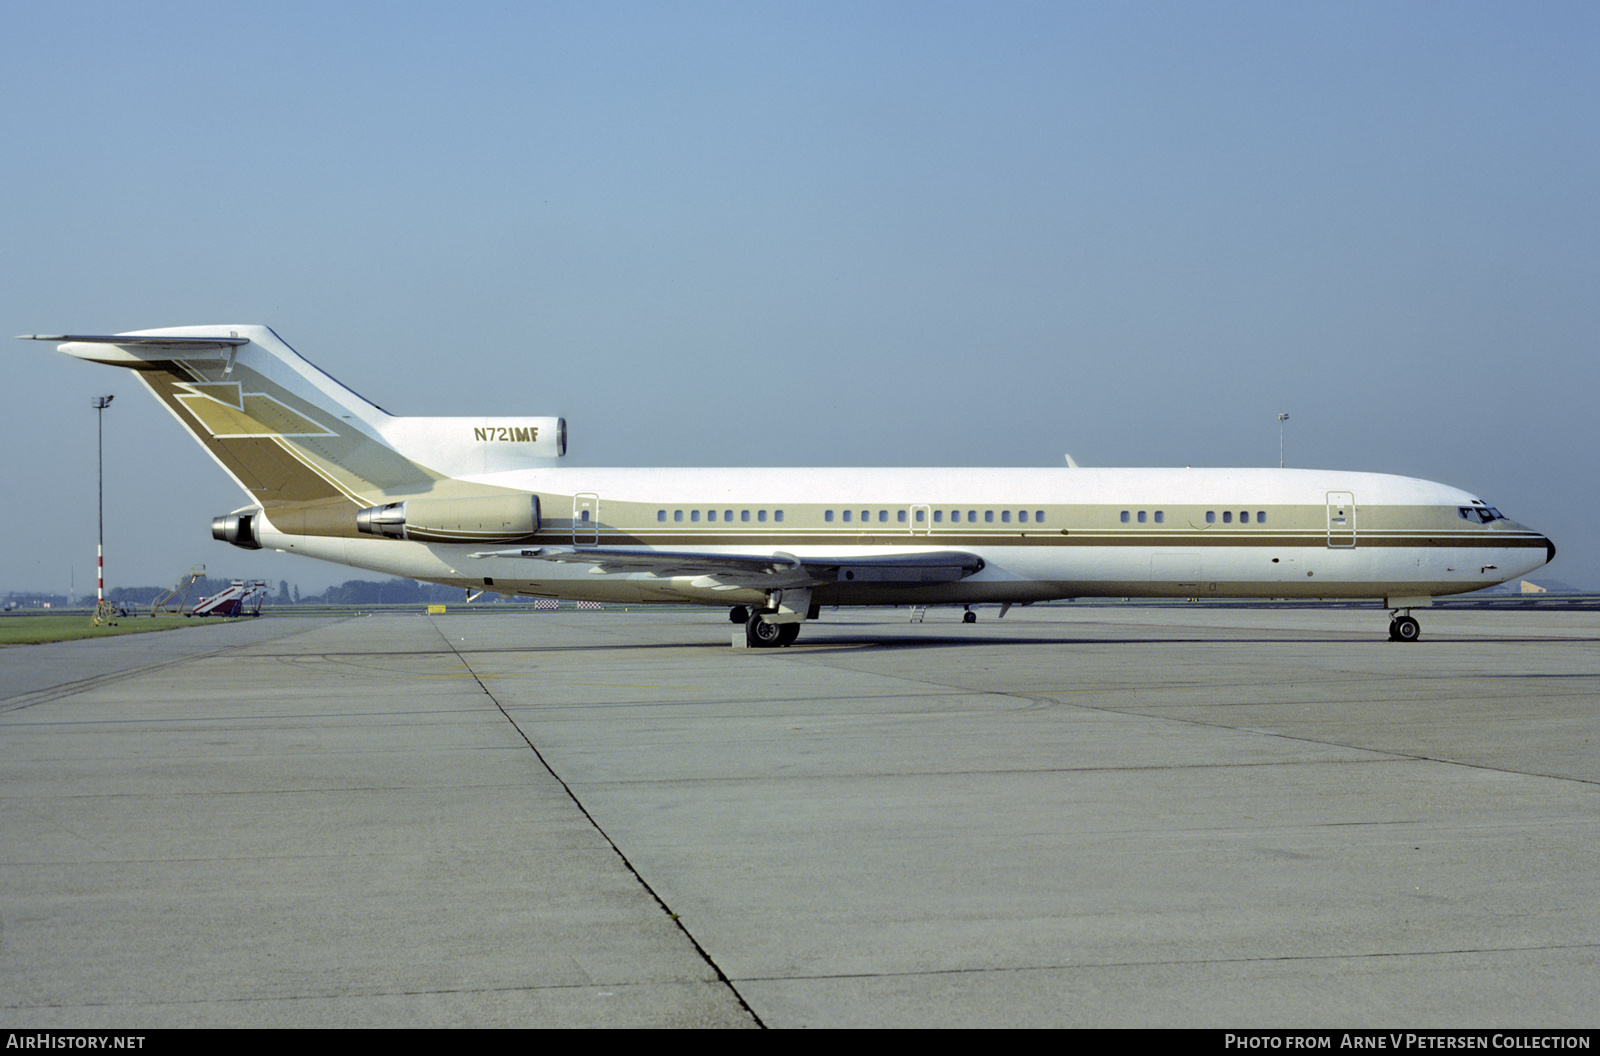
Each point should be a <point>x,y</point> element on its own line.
<point>101,613</point>
<point>1281,419</point>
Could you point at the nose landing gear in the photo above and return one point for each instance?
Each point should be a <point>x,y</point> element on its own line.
<point>1404,628</point>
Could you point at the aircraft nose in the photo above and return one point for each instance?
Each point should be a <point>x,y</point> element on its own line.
<point>1549,550</point>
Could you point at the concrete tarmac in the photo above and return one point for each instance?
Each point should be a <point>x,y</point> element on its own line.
<point>1076,816</point>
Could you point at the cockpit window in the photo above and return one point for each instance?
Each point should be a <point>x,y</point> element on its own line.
<point>1481,512</point>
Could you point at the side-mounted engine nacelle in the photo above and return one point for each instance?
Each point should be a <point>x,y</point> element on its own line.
<point>238,528</point>
<point>473,519</point>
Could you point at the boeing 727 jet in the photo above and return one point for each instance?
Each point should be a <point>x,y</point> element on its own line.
<point>484,504</point>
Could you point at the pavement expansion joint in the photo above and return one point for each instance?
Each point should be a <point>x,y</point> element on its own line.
<point>677,920</point>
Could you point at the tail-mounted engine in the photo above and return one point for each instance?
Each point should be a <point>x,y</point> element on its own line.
<point>461,447</point>
<point>237,528</point>
<point>474,519</point>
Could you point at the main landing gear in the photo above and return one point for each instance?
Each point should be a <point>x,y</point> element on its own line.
<point>1403,628</point>
<point>759,634</point>
<point>1005,606</point>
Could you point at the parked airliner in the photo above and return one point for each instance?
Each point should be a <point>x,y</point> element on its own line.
<point>484,504</point>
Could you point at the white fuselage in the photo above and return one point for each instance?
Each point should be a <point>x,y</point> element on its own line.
<point>1042,533</point>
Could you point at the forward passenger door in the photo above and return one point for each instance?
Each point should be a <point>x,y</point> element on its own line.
<point>1341,519</point>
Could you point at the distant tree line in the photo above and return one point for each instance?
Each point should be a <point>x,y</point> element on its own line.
<point>350,592</point>
<point>388,592</point>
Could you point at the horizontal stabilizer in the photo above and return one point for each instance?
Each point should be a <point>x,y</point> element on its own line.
<point>141,350</point>
<point>136,339</point>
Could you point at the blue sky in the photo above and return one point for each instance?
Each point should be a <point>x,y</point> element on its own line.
<point>834,234</point>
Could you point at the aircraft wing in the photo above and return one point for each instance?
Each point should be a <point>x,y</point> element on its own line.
<point>774,570</point>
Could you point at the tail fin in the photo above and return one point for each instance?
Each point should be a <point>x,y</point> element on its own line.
<point>308,450</point>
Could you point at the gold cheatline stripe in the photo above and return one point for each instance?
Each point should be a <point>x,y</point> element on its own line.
<point>1309,540</point>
